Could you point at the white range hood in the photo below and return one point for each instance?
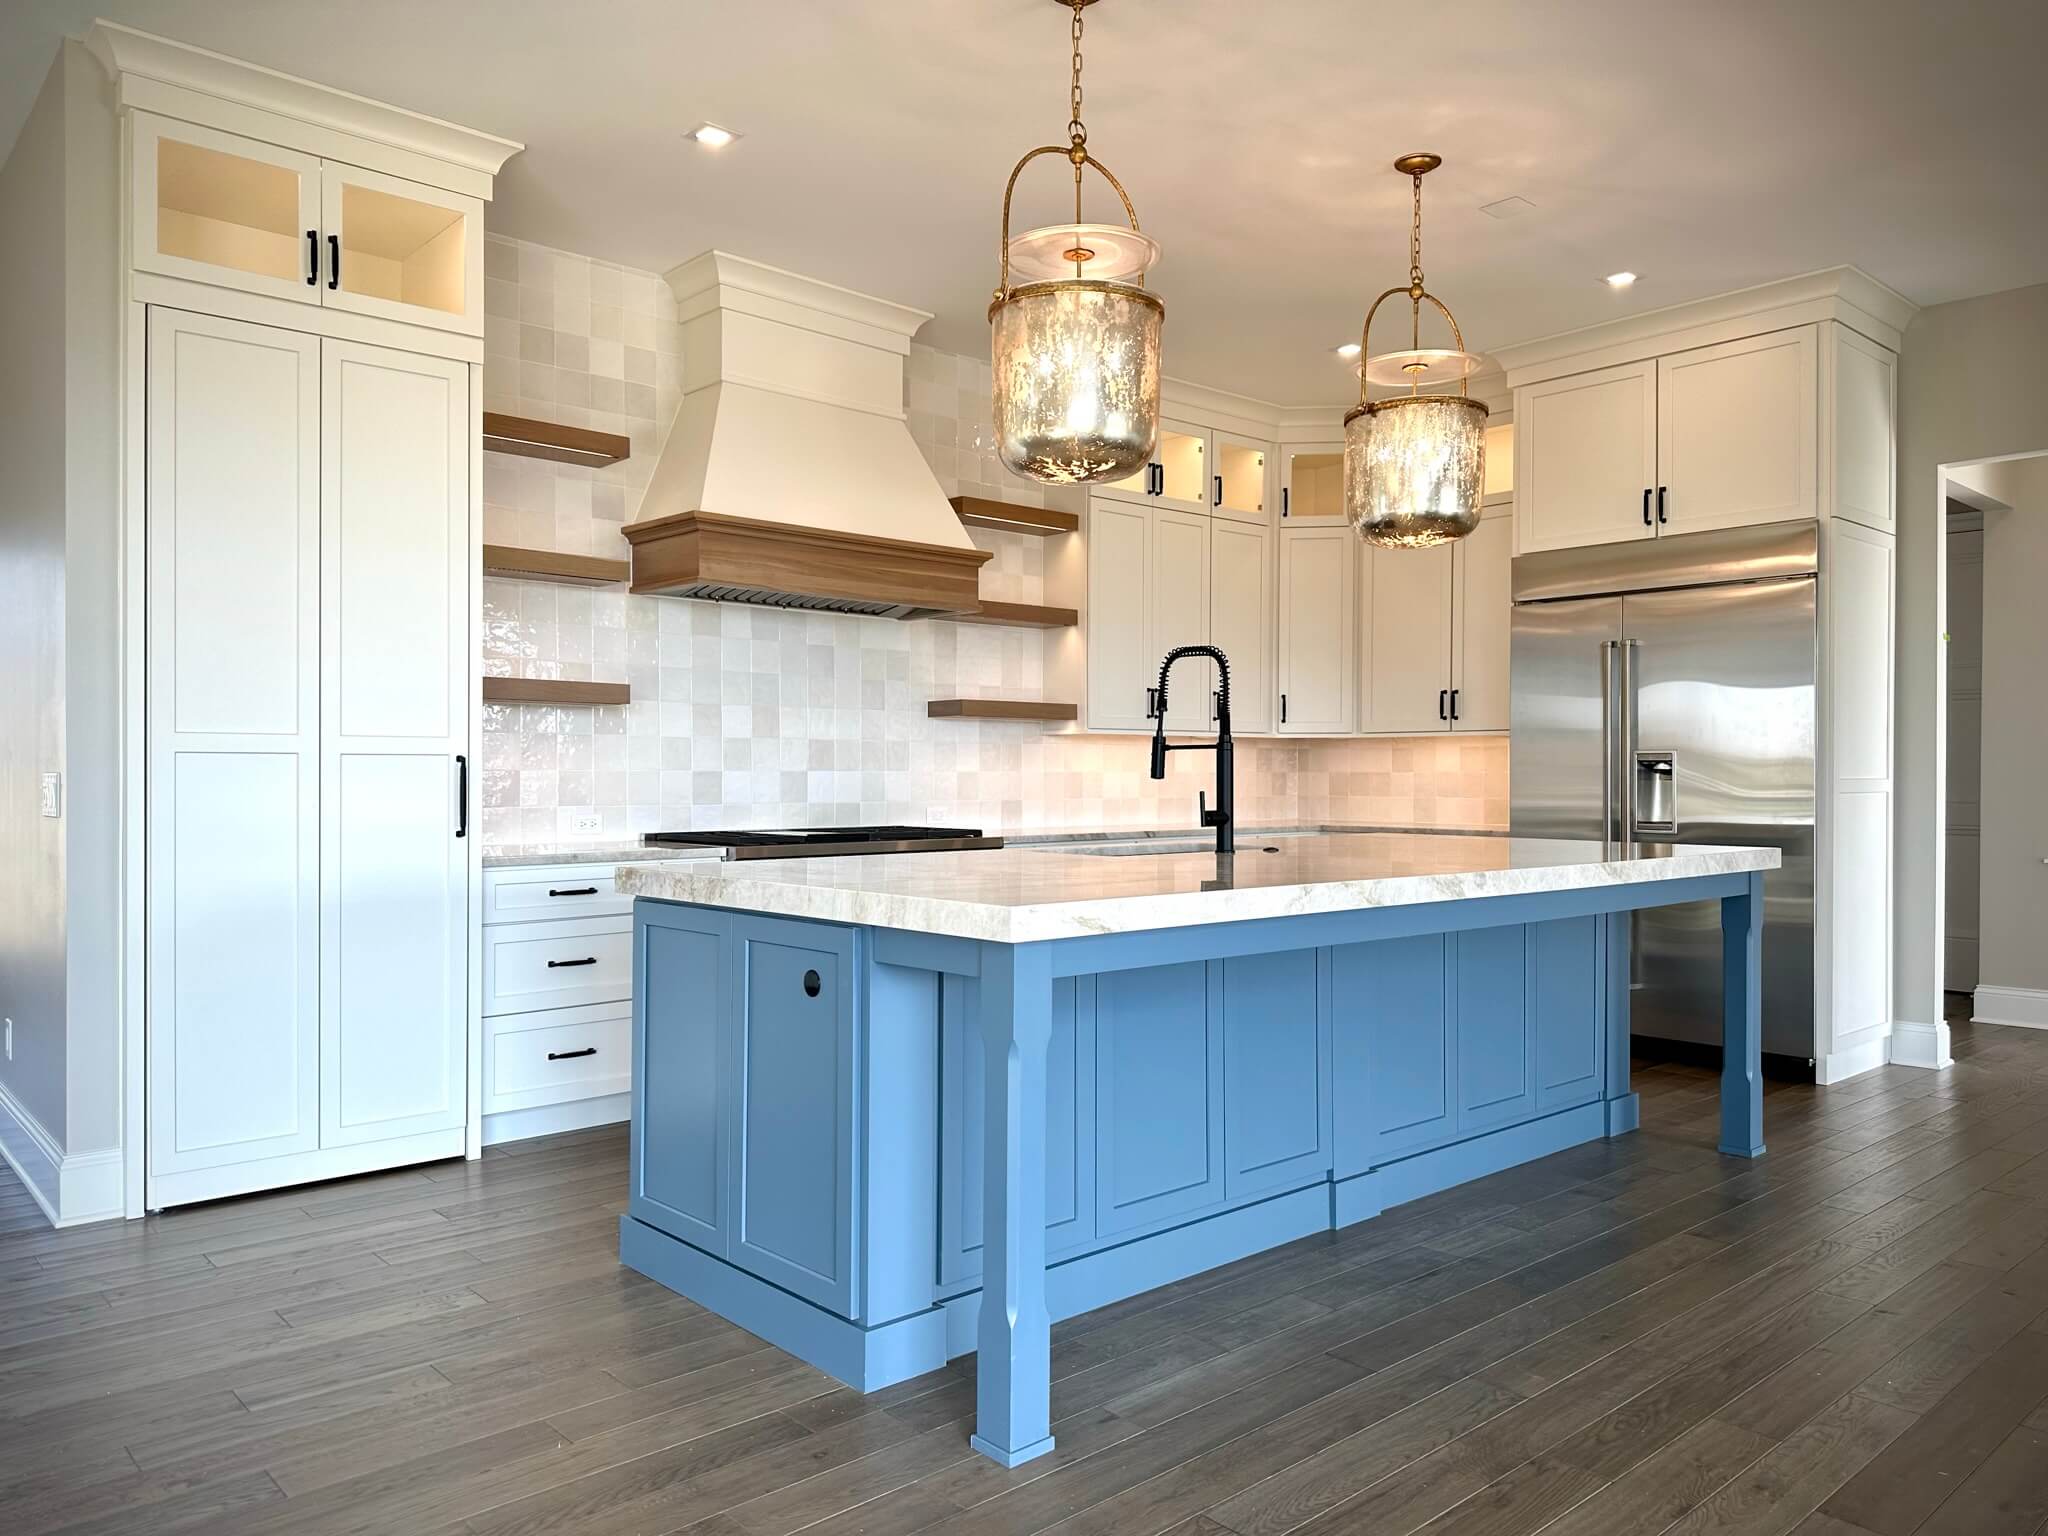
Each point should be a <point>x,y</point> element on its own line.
<point>789,478</point>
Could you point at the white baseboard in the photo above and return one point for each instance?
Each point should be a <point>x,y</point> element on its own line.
<point>1915,1044</point>
<point>553,1119</point>
<point>1839,1066</point>
<point>2026,1007</point>
<point>71,1188</point>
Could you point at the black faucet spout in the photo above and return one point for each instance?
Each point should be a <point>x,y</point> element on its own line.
<point>1224,816</point>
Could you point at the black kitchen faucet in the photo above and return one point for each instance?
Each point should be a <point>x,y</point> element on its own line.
<point>1224,817</point>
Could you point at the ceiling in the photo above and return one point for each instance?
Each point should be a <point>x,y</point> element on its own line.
<point>1706,146</point>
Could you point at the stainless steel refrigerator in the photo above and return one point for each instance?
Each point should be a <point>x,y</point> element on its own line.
<point>1663,691</point>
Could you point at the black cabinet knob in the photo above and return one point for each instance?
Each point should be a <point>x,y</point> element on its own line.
<point>811,984</point>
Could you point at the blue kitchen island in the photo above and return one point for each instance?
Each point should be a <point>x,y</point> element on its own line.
<point>891,1110</point>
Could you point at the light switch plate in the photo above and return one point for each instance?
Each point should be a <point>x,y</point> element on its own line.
<point>53,794</point>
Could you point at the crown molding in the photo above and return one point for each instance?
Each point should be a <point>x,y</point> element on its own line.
<point>124,51</point>
<point>1845,293</point>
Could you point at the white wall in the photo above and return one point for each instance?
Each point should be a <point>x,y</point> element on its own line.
<point>2013,887</point>
<point>1973,384</point>
<point>32,605</point>
<point>60,693</point>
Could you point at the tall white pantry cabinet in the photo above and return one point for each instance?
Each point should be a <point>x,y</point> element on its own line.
<point>304,347</point>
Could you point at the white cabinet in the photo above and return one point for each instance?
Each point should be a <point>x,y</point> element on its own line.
<point>1315,602</point>
<point>1241,618</point>
<point>1178,476</point>
<point>233,212</point>
<point>1586,458</point>
<point>1482,615</point>
<point>394,533</point>
<point>1406,634</point>
<point>1434,633</point>
<point>1239,482</point>
<point>307,659</point>
<point>1121,664</point>
<point>234,745</point>
<point>1735,432</point>
<point>1719,436</point>
<point>1177,611</point>
<point>558,999</point>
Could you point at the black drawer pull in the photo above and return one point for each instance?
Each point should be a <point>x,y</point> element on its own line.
<point>580,890</point>
<point>588,1050</point>
<point>558,964</point>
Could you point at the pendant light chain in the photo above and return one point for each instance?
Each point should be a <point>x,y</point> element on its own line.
<point>1415,287</point>
<point>1077,131</point>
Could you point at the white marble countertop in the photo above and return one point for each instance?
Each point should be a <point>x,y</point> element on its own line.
<point>1023,895</point>
<point>516,855</point>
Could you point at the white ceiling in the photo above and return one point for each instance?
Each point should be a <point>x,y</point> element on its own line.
<point>1706,144</point>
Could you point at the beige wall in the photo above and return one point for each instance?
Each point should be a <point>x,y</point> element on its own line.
<point>2013,887</point>
<point>60,686</point>
<point>1973,384</point>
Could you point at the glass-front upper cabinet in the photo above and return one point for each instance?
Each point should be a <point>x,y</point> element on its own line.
<point>1237,480</point>
<point>1178,475</point>
<point>1312,484</point>
<point>403,251</point>
<point>225,210</point>
<point>217,208</point>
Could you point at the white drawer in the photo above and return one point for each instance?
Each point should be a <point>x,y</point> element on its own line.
<point>560,1062</point>
<point>558,965</point>
<point>534,893</point>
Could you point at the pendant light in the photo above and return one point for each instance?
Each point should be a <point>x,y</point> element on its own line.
<point>1075,344</point>
<point>1415,463</point>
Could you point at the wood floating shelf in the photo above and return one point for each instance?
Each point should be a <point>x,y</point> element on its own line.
<point>552,690</point>
<point>532,439</point>
<point>979,512</point>
<point>999,709</point>
<point>1023,615</point>
<point>549,565</point>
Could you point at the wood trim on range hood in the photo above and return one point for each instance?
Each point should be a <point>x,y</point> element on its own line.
<point>742,559</point>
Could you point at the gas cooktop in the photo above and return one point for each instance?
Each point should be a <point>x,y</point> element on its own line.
<point>826,842</point>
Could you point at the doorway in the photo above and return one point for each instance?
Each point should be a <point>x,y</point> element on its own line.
<point>1995,820</point>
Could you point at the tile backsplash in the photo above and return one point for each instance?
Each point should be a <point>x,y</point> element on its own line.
<point>745,716</point>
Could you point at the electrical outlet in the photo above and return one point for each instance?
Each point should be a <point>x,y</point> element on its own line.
<point>10,1039</point>
<point>590,823</point>
<point>53,794</point>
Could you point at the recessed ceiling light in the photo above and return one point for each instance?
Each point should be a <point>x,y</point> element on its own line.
<point>1620,279</point>
<point>711,136</point>
<point>1349,350</point>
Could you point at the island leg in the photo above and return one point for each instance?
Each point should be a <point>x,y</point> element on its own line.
<point>1013,1391</point>
<point>1742,1026</point>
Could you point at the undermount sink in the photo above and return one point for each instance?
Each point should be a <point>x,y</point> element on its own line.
<point>1130,850</point>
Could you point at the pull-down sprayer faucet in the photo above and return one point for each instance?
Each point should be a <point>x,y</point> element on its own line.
<point>1224,817</point>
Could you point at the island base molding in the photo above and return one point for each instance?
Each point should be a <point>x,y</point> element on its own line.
<point>869,1357</point>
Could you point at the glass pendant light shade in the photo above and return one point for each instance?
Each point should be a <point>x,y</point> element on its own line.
<point>1415,469</point>
<point>1076,368</point>
<point>1073,332</point>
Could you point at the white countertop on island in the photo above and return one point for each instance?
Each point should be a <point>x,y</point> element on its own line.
<point>1022,895</point>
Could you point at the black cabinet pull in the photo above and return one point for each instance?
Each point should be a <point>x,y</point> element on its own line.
<point>1454,703</point>
<point>1646,506</point>
<point>588,1050</point>
<point>1283,501</point>
<point>334,261</point>
<point>1443,703</point>
<point>1283,709</point>
<point>555,965</point>
<point>461,795</point>
<point>812,985</point>
<point>1151,702</point>
<point>1219,490</point>
<point>312,258</point>
<point>579,890</point>
<point>1660,505</point>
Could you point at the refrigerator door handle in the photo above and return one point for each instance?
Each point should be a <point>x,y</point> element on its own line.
<point>1624,761</point>
<point>1608,755</point>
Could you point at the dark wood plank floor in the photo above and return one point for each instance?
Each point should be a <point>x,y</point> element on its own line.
<point>1849,1337</point>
